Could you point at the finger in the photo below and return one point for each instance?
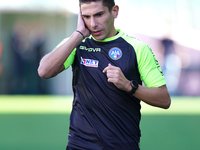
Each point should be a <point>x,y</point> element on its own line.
<point>110,80</point>
<point>106,69</point>
<point>81,24</point>
<point>110,74</point>
<point>109,67</point>
<point>79,14</point>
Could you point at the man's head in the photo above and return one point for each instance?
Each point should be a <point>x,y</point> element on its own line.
<point>107,3</point>
<point>98,16</point>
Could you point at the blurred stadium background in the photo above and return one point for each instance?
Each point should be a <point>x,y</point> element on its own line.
<point>34,113</point>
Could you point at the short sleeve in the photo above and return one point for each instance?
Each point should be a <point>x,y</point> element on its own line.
<point>69,61</point>
<point>150,71</point>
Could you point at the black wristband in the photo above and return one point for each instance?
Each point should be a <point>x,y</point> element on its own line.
<point>81,33</point>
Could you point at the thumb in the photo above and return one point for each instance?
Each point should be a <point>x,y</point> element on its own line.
<point>106,69</point>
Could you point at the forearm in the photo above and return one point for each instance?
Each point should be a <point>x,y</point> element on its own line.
<point>52,63</point>
<point>154,96</point>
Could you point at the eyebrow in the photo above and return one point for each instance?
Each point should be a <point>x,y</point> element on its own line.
<point>101,12</point>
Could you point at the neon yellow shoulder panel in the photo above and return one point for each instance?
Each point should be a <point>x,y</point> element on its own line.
<point>148,66</point>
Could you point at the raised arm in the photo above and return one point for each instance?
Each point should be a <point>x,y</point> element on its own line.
<point>52,63</point>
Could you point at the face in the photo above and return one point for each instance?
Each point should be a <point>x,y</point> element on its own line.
<point>99,20</point>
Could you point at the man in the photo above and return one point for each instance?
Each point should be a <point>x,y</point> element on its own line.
<point>108,70</point>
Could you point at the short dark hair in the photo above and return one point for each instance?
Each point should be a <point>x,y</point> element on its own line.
<point>107,3</point>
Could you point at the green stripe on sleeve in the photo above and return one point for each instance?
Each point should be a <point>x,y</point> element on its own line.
<point>70,59</point>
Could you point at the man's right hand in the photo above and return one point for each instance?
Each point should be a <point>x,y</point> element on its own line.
<point>81,25</point>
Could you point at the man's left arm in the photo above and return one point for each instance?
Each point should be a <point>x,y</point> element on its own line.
<point>154,96</point>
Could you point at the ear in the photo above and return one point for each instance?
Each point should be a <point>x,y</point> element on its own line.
<point>115,11</point>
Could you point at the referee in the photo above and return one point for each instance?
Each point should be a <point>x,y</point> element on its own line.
<point>108,70</point>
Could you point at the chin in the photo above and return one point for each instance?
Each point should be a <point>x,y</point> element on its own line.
<point>99,38</point>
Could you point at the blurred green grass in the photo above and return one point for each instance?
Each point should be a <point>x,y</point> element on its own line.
<point>33,131</point>
<point>42,122</point>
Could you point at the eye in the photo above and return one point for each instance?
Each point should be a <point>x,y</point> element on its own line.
<point>99,14</point>
<point>86,17</point>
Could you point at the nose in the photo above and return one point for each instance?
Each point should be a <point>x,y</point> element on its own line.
<point>93,22</point>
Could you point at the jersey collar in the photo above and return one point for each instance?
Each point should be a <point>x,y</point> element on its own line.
<point>111,38</point>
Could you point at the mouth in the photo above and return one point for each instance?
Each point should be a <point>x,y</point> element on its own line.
<point>96,33</point>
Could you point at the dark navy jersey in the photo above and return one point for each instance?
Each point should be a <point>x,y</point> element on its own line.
<point>104,117</point>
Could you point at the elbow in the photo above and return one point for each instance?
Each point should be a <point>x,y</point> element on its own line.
<point>42,73</point>
<point>167,103</point>
<point>49,72</point>
<point>166,99</point>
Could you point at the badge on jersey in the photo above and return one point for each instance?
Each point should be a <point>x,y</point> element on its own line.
<point>115,53</point>
<point>89,62</point>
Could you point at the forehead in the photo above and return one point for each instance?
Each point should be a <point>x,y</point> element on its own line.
<point>92,8</point>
